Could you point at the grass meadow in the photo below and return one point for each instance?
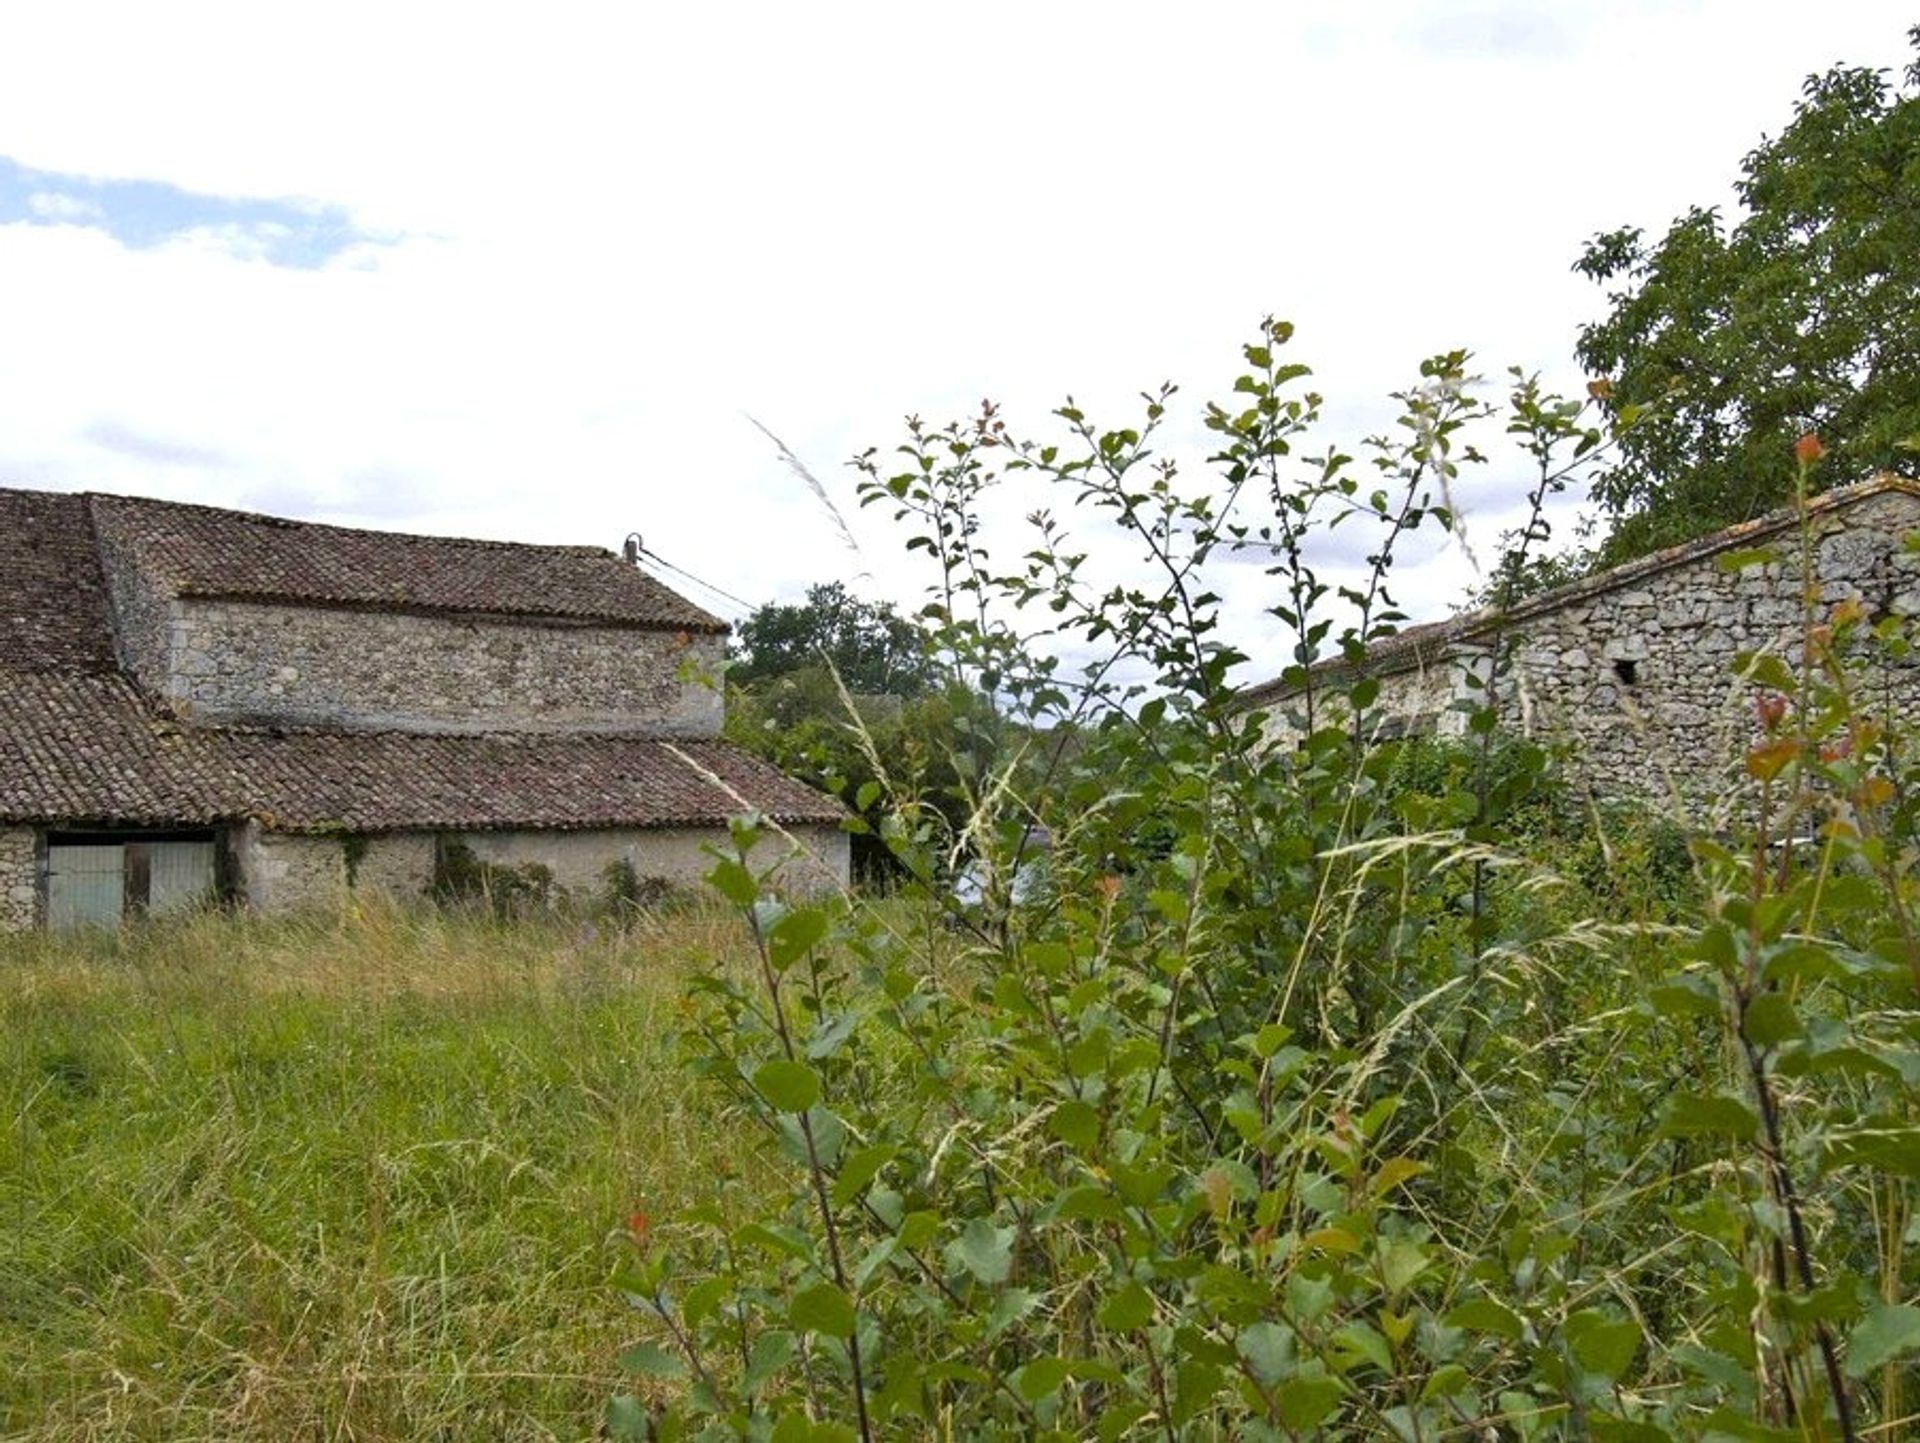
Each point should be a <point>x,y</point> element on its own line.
<point>363,1178</point>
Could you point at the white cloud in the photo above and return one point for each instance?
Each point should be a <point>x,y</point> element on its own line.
<point>54,206</point>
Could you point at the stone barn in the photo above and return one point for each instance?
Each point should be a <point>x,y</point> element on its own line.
<point>1634,667</point>
<point>197,702</point>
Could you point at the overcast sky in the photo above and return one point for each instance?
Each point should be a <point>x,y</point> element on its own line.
<point>525,273</point>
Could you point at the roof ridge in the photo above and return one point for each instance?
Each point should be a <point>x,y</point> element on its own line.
<point>288,523</point>
<point>192,549</point>
<point>1879,484</point>
<point>1421,636</point>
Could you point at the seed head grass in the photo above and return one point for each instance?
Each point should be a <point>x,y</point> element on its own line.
<point>363,1177</point>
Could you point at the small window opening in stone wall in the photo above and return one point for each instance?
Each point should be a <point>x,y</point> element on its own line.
<point>1627,670</point>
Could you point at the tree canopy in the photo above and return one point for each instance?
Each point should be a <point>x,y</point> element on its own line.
<point>875,650</point>
<point>1804,316</point>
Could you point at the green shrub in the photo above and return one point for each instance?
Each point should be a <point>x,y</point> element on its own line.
<point>1390,1092</point>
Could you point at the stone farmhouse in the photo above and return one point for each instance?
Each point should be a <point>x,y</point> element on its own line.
<point>198,702</point>
<point>1635,667</point>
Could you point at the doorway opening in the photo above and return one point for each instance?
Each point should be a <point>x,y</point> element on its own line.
<point>98,879</point>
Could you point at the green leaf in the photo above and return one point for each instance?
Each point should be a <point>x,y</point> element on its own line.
<point>1194,1387</point>
<point>1077,1124</point>
<point>1089,1203</point>
<point>626,1418</point>
<point>1040,1378</point>
<point>1886,1143</point>
<point>834,1029</point>
<point>794,935</point>
<point>789,1086</point>
<point>822,1308</point>
<point>784,1240</point>
<point>1685,995</point>
<point>1609,1428</point>
<point>1308,1298</point>
<point>1393,1172</point>
<point>1889,1331</point>
<point>1487,1315</point>
<point>1401,1261</point>
<point>1602,1344</point>
<point>650,1360</point>
<point>1365,1344</point>
<point>917,1229</point>
<point>1270,1039</point>
<point>875,1258</point>
<point>1717,1115</point>
<point>734,882</point>
<point>792,1428</point>
<point>703,1297</point>
<point>1127,1309</point>
<point>860,1169</point>
<point>1305,1403</point>
<point>984,1250</point>
<point>771,1352</point>
<point>1008,1308</point>
<point>1267,1349</point>
<point>1771,1020</point>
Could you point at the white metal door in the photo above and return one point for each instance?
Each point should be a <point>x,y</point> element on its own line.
<point>86,885</point>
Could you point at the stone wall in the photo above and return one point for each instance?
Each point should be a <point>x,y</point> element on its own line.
<point>1639,677</point>
<point>142,613</point>
<point>1419,698</point>
<point>399,864</point>
<point>578,861</point>
<point>281,872</point>
<point>286,872</point>
<point>246,661</point>
<point>19,880</point>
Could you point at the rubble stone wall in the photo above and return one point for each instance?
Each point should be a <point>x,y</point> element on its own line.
<point>1639,677</point>
<point>578,861</point>
<point>281,872</point>
<point>318,666</point>
<point>142,613</point>
<point>19,880</point>
<point>1642,678</point>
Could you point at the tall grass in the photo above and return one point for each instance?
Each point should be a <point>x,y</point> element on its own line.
<point>350,1179</point>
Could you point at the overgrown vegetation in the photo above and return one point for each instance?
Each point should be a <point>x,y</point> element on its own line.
<point>1382,1094</point>
<point>351,1179</point>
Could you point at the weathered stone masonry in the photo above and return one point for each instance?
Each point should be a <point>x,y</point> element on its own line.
<point>1635,668</point>
<point>313,666</point>
<point>285,873</point>
<point>19,880</point>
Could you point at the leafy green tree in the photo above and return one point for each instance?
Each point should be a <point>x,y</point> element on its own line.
<point>1804,316</point>
<point>875,650</point>
<point>844,694</point>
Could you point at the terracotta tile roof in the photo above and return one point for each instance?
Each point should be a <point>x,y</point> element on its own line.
<point>1417,645</point>
<point>84,748</point>
<point>210,552</point>
<point>53,607</point>
<point>81,744</point>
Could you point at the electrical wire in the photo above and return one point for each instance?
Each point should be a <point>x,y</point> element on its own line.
<point>720,591</point>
